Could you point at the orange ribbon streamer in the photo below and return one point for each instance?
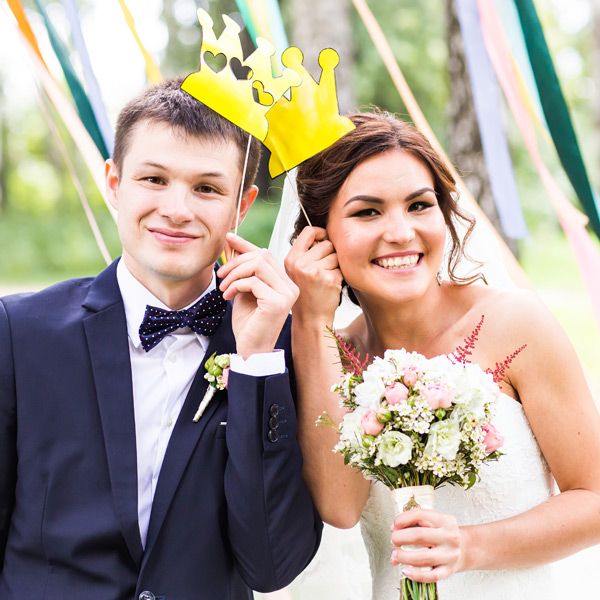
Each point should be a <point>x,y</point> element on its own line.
<point>17,10</point>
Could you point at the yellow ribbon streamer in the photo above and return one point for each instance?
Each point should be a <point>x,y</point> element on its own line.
<point>528,103</point>
<point>152,71</point>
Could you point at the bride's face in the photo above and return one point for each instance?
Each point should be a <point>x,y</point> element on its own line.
<point>388,229</point>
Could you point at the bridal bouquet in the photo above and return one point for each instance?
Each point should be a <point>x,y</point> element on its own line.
<point>415,421</point>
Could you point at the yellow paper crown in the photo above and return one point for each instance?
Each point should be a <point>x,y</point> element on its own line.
<point>231,95</point>
<point>310,121</point>
<point>293,130</point>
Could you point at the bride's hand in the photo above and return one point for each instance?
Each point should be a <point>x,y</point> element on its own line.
<point>312,265</point>
<point>441,537</point>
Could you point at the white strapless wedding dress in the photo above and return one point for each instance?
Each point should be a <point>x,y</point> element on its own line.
<point>519,480</point>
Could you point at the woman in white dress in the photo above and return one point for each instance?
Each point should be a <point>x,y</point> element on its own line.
<point>381,203</point>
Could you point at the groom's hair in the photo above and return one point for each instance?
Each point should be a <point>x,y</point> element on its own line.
<point>167,103</point>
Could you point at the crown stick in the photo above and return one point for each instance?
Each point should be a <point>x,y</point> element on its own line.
<point>295,190</point>
<point>237,216</point>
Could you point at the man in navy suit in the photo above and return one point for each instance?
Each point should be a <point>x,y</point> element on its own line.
<point>109,489</point>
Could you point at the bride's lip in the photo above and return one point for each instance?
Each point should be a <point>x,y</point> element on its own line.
<point>172,237</point>
<point>399,261</point>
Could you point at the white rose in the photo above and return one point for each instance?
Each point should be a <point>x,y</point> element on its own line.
<point>370,392</point>
<point>350,428</point>
<point>443,439</point>
<point>394,449</point>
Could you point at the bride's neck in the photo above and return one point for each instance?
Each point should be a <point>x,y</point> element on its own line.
<point>420,325</point>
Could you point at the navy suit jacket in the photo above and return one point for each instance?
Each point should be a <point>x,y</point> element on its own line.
<point>230,511</point>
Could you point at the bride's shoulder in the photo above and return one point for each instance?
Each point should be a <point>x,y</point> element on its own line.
<point>514,315</point>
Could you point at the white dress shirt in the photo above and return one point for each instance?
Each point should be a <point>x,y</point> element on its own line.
<point>161,379</point>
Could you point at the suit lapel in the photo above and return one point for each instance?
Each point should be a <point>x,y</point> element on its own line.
<point>186,433</point>
<point>106,332</point>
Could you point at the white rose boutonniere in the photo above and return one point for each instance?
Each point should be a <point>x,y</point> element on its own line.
<point>217,374</point>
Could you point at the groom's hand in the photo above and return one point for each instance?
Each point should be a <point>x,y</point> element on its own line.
<point>263,296</point>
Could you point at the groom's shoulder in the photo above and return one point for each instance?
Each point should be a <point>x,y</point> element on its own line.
<point>59,297</point>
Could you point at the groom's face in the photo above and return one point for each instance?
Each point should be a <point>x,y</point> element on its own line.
<point>176,198</point>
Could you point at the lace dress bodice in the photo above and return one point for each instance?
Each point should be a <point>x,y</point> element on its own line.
<point>518,481</point>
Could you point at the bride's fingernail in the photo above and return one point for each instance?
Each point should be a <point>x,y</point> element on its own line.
<point>393,557</point>
<point>406,571</point>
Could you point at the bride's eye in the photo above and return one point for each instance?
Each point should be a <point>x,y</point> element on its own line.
<point>365,212</point>
<point>420,205</point>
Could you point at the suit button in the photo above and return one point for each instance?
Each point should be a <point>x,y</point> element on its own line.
<point>274,410</point>
<point>272,436</point>
<point>273,422</point>
<point>147,596</point>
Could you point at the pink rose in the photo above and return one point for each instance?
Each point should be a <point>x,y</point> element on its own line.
<point>410,376</point>
<point>225,376</point>
<point>369,424</point>
<point>396,394</point>
<point>493,440</point>
<point>437,395</point>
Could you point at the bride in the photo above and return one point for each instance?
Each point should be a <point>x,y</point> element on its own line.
<point>382,203</point>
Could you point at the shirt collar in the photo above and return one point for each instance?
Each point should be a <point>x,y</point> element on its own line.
<point>136,297</point>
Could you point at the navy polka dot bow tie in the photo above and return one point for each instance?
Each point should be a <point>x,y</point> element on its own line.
<point>204,318</point>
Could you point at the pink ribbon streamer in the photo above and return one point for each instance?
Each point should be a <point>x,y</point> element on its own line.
<point>572,221</point>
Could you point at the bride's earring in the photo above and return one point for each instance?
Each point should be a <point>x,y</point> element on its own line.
<point>438,277</point>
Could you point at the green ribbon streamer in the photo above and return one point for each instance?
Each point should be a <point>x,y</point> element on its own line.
<point>84,108</point>
<point>556,111</point>
<point>245,12</point>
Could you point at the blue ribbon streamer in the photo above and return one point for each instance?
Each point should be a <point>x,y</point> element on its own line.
<point>487,107</point>
<point>280,40</point>
<point>93,89</point>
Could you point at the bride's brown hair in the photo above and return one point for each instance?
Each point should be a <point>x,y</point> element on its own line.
<point>320,178</point>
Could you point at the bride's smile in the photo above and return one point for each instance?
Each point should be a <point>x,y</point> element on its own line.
<point>387,228</point>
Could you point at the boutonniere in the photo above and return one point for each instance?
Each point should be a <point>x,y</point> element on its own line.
<point>217,373</point>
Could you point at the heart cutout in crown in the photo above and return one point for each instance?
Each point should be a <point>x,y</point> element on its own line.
<point>216,63</point>
<point>241,72</point>
<point>260,96</point>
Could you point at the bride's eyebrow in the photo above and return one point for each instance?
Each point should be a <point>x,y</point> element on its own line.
<point>364,198</point>
<point>418,193</point>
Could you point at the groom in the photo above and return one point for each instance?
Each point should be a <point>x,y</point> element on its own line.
<point>109,490</point>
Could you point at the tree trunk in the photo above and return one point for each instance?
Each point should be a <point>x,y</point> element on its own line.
<point>465,140</point>
<point>318,24</point>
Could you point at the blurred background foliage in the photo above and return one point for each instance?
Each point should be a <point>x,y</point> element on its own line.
<point>44,236</point>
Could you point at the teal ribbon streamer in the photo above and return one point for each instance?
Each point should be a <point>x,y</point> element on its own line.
<point>487,107</point>
<point>512,27</point>
<point>82,103</point>
<point>556,111</point>
<point>280,40</point>
<point>93,89</point>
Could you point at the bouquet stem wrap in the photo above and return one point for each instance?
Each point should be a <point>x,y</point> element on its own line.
<point>407,498</point>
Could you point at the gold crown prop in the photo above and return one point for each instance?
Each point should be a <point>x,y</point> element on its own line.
<point>310,121</point>
<point>246,93</point>
<point>231,94</point>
